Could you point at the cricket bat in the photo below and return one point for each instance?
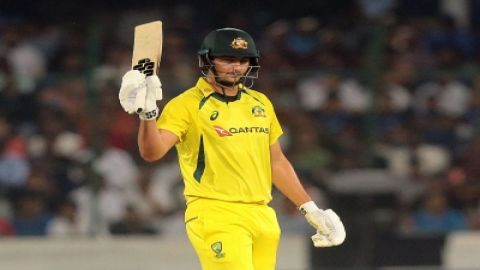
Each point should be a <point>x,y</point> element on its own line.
<point>147,48</point>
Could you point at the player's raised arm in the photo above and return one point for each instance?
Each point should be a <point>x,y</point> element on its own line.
<point>154,143</point>
<point>139,94</point>
<point>141,88</point>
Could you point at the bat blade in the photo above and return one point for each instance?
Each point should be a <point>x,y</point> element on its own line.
<point>147,47</point>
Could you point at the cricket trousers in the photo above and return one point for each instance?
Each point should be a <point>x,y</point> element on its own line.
<point>233,236</point>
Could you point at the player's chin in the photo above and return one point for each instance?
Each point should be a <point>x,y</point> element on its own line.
<point>230,80</point>
<point>227,83</point>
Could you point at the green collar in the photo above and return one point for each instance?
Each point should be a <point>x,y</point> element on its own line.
<point>227,98</point>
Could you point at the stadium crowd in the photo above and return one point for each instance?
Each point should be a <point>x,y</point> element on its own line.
<point>372,102</point>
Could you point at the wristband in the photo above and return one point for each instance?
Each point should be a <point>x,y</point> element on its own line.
<point>308,207</point>
<point>148,116</point>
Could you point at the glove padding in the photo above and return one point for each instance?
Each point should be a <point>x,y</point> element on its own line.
<point>330,229</point>
<point>132,91</point>
<point>139,94</point>
<point>337,233</point>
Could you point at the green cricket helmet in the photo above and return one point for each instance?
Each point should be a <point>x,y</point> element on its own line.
<point>229,42</point>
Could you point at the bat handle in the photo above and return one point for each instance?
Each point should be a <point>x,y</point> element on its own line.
<point>145,66</point>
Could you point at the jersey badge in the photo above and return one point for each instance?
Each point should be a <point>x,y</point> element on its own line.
<point>217,248</point>
<point>258,111</point>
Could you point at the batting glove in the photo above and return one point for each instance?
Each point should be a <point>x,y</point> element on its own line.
<point>153,93</point>
<point>330,229</point>
<point>139,94</point>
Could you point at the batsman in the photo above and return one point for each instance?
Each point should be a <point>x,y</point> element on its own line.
<point>226,135</point>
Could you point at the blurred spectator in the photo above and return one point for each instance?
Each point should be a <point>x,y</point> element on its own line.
<point>315,92</point>
<point>435,215</point>
<point>450,96</point>
<point>407,155</point>
<point>449,42</point>
<point>13,171</point>
<point>6,229</point>
<point>16,106</point>
<point>130,224</point>
<point>65,221</point>
<point>376,9</point>
<point>14,167</point>
<point>118,169</point>
<point>104,198</point>
<point>475,218</point>
<point>26,60</point>
<point>116,128</point>
<point>397,85</point>
<point>98,206</point>
<point>311,160</point>
<point>40,182</point>
<point>385,119</point>
<point>55,148</point>
<point>158,192</point>
<point>303,40</point>
<point>406,44</point>
<point>472,113</point>
<point>275,47</point>
<point>30,218</point>
<point>117,61</point>
<point>471,161</point>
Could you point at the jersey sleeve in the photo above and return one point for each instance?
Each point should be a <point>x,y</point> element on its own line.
<point>175,118</point>
<point>275,127</point>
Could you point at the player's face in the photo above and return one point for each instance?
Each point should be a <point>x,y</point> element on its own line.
<point>231,69</point>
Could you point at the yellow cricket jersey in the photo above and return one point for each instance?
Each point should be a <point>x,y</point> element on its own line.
<point>224,147</point>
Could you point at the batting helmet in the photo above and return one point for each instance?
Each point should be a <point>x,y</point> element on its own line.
<point>231,42</point>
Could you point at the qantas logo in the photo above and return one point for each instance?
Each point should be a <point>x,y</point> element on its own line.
<point>231,131</point>
<point>221,132</point>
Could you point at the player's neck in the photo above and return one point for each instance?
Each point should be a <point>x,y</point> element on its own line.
<point>227,91</point>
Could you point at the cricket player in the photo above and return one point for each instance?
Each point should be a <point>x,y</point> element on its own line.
<point>226,135</point>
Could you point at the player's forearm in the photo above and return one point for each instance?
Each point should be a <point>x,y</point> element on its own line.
<point>286,180</point>
<point>149,141</point>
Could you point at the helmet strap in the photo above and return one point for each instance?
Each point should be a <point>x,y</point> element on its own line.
<point>247,80</point>
<point>222,84</point>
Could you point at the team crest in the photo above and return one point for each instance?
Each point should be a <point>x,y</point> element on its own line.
<point>239,43</point>
<point>258,111</point>
<point>217,248</point>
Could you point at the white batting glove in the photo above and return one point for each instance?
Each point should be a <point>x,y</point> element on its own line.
<point>153,93</point>
<point>138,94</point>
<point>330,229</point>
<point>132,91</point>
